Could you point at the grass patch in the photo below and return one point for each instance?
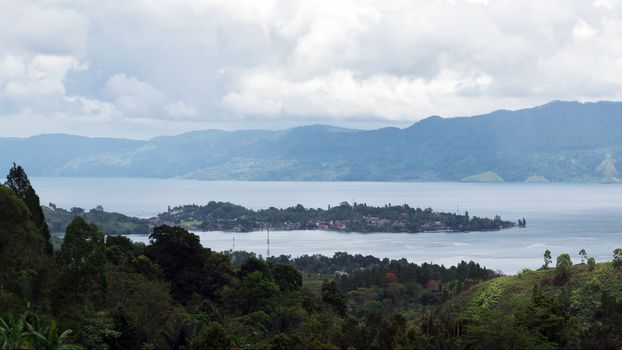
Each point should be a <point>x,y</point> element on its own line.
<point>313,281</point>
<point>190,223</point>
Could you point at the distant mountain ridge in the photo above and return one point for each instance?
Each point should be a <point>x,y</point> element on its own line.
<point>558,141</point>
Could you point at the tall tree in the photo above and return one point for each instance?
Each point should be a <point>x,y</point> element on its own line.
<point>583,255</point>
<point>20,244</point>
<point>181,257</point>
<point>547,259</point>
<point>332,296</point>
<point>563,265</point>
<point>18,181</point>
<point>82,260</point>
<point>617,258</point>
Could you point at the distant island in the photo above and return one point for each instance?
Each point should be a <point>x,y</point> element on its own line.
<point>224,216</point>
<point>346,217</point>
<point>555,142</point>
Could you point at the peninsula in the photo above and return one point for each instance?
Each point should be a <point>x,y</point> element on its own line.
<point>355,217</point>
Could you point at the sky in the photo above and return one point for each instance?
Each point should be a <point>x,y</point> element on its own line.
<point>141,68</point>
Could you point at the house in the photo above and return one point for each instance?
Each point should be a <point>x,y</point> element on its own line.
<point>340,225</point>
<point>322,225</point>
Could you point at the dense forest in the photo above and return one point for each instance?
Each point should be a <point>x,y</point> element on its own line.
<point>355,217</point>
<point>98,292</point>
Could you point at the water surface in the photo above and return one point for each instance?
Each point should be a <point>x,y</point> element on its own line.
<point>560,217</point>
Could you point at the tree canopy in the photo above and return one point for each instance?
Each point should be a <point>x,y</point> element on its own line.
<point>18,181</point>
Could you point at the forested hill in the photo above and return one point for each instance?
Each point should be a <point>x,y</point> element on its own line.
<point>559,141</point>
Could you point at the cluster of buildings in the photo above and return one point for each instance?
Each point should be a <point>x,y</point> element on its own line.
<point>332,225</point>
<point>378,222</point>
<point>368,222</point>
<point>435,226</point>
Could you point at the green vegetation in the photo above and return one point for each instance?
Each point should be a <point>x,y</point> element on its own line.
<point>190,223</point>
<point>18,181</point>
<point>356,217</point>
<point>109,223</point>
<point>110,293</point>
<point>537,310</point>
<point>230,217</point>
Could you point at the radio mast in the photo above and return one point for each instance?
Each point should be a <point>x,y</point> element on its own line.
<point>268,241</point>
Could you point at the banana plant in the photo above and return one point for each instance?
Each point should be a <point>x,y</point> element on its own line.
<point>52,340</point>
<point>13,335</point>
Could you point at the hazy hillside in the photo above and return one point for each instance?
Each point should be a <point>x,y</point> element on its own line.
<point>559,141</point>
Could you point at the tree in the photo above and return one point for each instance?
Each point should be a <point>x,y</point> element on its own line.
<point>186,264</point>
<point>181,257</point>
<point>82,260</point>
<point>21,245</point>
<point>583,255</point>
<point>18,181</point>
<point>255,291</point>
<point>213,337</point>
<point>217,273</point>
<point>617,258</point>
<point>563,265</point>
<point>547,259</point>
<point>332,296</point>
<point>252,264</point>
<point>145,304</point>
<point>591,263</point>
<point>287,277</point>
<point>178,335</point>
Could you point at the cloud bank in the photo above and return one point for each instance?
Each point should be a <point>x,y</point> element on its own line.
<point>145,68</point>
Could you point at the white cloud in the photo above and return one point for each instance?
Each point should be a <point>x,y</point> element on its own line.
<point>36,27</point>
<point>276,62</point>
<point>94,109</point>
<point>134,96</point>
<point>608,4</point>
<point>341,94</point>
<point>179,109</point>
<point>582,30</point>
<point>40,76</point>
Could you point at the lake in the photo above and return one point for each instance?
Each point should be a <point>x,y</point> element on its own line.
<point>560,217</point>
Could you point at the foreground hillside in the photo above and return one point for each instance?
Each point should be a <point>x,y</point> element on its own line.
<point>543,309</point>
<point>559,141</point>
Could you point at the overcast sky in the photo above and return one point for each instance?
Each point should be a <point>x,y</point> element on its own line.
<point>143,68</point>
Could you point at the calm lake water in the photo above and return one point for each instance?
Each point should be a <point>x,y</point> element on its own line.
<point>560,217</point>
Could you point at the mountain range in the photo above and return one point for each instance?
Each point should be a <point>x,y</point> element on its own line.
<point>558,142</point>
